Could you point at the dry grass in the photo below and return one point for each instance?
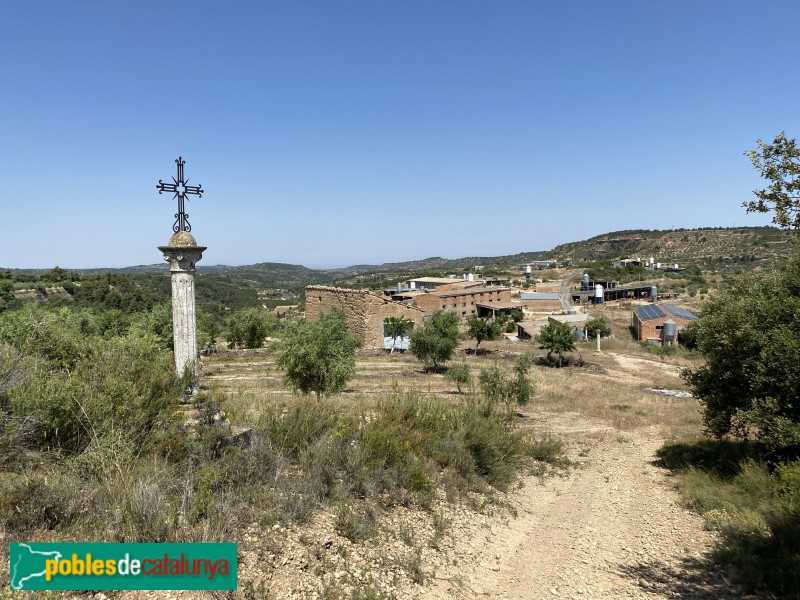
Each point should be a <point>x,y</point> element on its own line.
<point>611,386</point>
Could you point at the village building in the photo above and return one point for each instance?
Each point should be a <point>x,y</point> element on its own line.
<point>540,301</point>
<point>541,264</point>
<point>439,284</point>
<point>527,330</point>
<point>463,300</point>
<point>576,321</point>
<point>365,313</point>
<point>660,323</point>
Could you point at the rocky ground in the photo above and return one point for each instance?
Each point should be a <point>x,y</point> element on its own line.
<point>609,526</point>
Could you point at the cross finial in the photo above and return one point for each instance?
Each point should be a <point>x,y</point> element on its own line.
<point>181,190</point>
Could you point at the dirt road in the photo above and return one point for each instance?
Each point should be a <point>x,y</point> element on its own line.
<point>612,528</point>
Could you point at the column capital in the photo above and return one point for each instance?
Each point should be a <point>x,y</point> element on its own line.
<point>182,259</point>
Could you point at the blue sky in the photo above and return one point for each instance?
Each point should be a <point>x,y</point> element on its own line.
<point>334,133</point>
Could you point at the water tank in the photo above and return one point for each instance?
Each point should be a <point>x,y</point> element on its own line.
<point>528,272</point>
<point>653,293</point>
<point>413,285</point>
<point>676,266</point>
<point>652,260</point>
<point>598,294</point>
<point>670,330</point>
<point>658,265</point>
<point>470,277</point>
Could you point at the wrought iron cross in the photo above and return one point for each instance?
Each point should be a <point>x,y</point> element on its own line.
<point>181,190</point>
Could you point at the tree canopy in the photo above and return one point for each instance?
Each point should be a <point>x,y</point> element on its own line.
<point>779,163</point>
<point>396,327</point>
<point>459,374</point>
<point>318,356</point>
<point>437,339</point>
<point>482,330</point>
<point>557,337</point>
<point>750,337</point>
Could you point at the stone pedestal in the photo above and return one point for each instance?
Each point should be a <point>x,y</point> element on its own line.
<point>182,253</point>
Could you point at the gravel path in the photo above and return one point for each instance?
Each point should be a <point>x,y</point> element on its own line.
<point>613,528</point>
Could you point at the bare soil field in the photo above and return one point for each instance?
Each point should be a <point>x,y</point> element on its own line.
<point>608,526</point>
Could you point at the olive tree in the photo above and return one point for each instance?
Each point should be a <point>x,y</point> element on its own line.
<point>396,327</point>
<point>557,337</point>
<point>437,339</point>
<point>459,374</point>
<point>482,330</point>
<point>318,356</point>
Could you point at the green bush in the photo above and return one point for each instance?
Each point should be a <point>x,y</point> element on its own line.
<point>249,327</point>
<point>517,388</point>
<point>82,387</point>
<point>756,512</point>
<point>595,326</point>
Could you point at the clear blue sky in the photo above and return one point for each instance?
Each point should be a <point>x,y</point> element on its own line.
<point>333,133</point>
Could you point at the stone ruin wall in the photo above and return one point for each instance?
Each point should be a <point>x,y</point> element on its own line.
<point>364,311</point>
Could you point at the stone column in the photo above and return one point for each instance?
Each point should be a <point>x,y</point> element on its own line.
<point>182,252</point>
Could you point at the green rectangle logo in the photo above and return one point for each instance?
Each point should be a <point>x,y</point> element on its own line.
<point>87,566</point>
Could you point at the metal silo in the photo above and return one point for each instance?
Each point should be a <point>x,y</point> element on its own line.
<point>654,292</point>
<point>670,331</point>
<point>585,285</point>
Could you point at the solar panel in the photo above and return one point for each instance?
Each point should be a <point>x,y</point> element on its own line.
<point>681,313</point>
<point>650,311</point>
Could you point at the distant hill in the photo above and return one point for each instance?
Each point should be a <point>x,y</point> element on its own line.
<point>719,249</point>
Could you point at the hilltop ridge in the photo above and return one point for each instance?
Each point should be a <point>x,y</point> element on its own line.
<point>715,248</point>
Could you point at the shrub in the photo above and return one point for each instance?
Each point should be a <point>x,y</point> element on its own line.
<point>518,388</point>
<point>595,326</point>
<point>247,328</point>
